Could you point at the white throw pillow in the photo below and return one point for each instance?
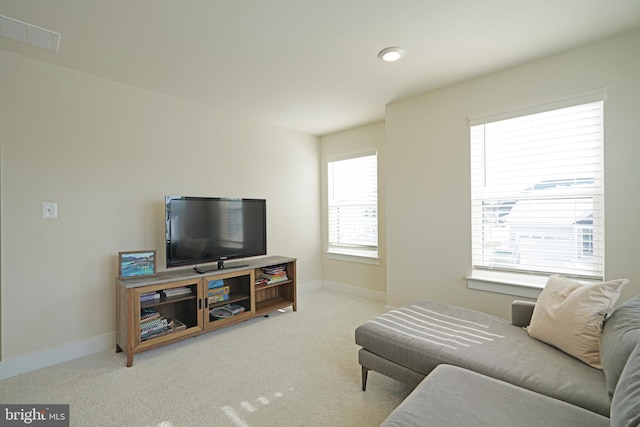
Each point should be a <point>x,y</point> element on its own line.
<point>569,316</point>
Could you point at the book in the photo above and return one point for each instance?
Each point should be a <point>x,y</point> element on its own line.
<point>147,312</point>
<point>274,276</point>
<point>149,319</point>
<point>219,294</point>
<point>277,280</point>
<point>262,281</point>
<point>215,283</point>
<point>177,291</point>
<point>149,296</point>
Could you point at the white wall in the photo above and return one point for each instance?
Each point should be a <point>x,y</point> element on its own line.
<point>108,154</point>
<point>428,181</point>
<point>357,278</point>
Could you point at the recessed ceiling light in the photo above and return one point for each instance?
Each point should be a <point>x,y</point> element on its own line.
<point>391,54</point>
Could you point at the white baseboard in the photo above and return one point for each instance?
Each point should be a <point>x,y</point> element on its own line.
<point>355,290</point>
<point>308,286</point>
<point>344,288</point>
<point>52,356</point>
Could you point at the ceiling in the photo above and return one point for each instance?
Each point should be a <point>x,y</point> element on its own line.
<point>309,65</point>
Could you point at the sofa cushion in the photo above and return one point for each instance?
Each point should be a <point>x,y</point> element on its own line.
<point>625,406</point>
<point>620,335</point>
<point>424,334</point>
<point>569,316</point>
<point>452,396</point>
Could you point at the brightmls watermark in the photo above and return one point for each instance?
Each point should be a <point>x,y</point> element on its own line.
<point>35,415</point>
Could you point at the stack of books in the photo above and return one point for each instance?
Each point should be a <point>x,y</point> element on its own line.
<point>149,296</point>
<point>173,292</point>
<point>275,274</point>
<point>153,324</point>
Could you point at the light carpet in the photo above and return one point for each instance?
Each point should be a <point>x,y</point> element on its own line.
<point>288,369</point>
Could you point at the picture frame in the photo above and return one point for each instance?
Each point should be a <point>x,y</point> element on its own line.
<point>137,263</point>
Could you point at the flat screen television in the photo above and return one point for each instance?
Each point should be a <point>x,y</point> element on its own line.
<point>201,230</point>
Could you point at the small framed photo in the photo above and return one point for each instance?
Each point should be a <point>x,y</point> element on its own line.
<point>136,263</point>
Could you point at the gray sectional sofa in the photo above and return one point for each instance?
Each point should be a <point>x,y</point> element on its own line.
<point>478,369</point>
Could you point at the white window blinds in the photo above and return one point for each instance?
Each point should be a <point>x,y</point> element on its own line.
<point>353,203</point>
<point>537,193</point>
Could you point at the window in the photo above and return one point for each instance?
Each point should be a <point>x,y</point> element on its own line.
<point>353,205</point>
<point>537,192</point>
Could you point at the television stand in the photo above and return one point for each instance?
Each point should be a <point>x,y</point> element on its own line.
<point>177,304</point>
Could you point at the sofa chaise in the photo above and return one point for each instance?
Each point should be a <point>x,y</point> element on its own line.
<point>488,362</point>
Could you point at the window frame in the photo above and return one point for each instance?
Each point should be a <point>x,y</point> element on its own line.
<point>523,283</point>
<point>360,254</point>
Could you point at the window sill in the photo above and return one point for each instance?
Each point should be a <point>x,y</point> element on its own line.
<point>362,257</point>
<point>520,285</point>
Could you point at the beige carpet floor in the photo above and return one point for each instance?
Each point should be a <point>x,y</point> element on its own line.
<point>290,369</point>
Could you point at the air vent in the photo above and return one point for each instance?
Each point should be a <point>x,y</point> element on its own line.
<point>30,34</point>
